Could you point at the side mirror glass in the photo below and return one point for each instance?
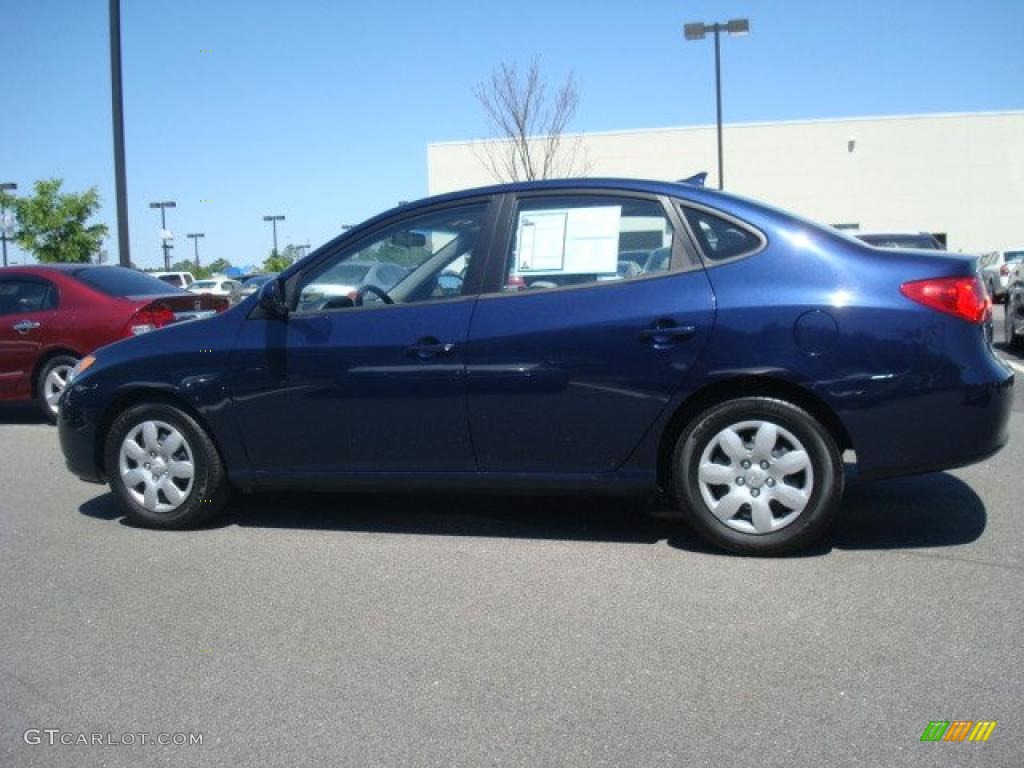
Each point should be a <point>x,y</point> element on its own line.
<point>272,299</point>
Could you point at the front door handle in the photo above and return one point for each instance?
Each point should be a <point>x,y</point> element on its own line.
<point>666,332</point>
<point>25,326</point>
<point>428,348</point>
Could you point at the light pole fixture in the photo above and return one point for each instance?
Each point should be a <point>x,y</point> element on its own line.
<point>302,250</point>
<point>195,241</point>
<point>697,31</point>
<point>4,187</point>
<point>165,236</point>
<point>273,220</point>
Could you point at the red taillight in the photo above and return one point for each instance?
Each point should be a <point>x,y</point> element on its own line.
<point>515,283</point>
<point>149,318</point>
<point>963,297</point>
<point>1004,270</point>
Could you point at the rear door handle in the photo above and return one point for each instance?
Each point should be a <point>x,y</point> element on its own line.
<point>666,332</point>
<point>429,348</point>
<point>25,326</point>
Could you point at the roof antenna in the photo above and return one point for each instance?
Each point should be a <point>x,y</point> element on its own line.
<point>697,180</point>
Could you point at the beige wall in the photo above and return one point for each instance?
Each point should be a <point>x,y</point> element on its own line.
<point>961,174</point>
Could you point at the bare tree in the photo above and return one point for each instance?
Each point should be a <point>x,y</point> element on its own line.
<point>527,127</point>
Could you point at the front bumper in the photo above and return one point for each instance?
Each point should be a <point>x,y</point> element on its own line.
<point>77,431</point>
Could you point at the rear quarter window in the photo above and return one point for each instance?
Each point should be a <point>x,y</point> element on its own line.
<point>718,238</point>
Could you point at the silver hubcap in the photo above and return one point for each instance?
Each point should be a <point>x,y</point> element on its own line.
<point>54,384</point>
<point>755,477</point>
<point>156,466</point>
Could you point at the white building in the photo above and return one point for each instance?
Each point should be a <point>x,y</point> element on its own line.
<point>960,176</point>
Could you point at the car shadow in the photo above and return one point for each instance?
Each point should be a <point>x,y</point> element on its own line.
<point>936,510</point>
<point>20,413</point>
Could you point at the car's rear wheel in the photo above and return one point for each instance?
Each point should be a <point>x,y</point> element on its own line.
<point>52,379</point>
<point>758,476</point>
<point>163,467</point>
<point>1013,339</point>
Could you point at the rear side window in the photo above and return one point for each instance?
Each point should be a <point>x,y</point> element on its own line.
<point>120,281</point>
<point>718,238</point>
<point>23,296</point>
<point>584,240</point>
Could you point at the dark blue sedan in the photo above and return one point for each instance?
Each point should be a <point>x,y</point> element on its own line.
<point>731,373</point>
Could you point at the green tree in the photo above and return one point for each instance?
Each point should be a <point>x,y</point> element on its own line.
<point>281,261</point>
<point>51,225</point>
<point>218,266</point>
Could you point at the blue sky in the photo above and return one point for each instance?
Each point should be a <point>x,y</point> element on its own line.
<point>322,110</point>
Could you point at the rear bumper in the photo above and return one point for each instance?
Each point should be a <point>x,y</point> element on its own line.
<point>938,430</point>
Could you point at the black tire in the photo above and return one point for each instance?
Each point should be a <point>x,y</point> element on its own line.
<point>209,488</point>
<point>992,292</point>
<point>826,486</point>
<point>1013,339</point>
<point>54,363</point>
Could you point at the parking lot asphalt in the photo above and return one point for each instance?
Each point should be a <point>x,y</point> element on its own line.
<point>430,630</point>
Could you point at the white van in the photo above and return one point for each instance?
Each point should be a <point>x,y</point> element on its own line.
<point>177,279</point>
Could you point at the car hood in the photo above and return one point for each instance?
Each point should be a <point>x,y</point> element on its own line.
<point>331,289</point>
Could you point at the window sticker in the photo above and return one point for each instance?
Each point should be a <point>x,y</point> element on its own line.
<point>568,241</point>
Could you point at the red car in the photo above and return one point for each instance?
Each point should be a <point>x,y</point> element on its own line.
<point>52,316</point>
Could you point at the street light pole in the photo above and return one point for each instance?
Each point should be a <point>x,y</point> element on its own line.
<point>273,220</point>
<point>163,206</point>
<point>7,185</point>
<point>697,31</point>
<point>117,107</point>
<point>195,241</point>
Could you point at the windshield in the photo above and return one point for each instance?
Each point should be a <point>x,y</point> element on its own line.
<point>925,241</point>
<point>121,281</point>
<point>1013,256</point>
<point>345,273</point>
<point>205,284</point>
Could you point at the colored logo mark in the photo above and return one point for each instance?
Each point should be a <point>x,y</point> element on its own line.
<point>958,730</point>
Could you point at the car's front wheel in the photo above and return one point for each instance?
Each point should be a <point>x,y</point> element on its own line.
<point>163,467</point>
<point>52,379</point>
<point>758,476</point>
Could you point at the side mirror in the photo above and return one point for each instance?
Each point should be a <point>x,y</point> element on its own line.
<point>271,299</point>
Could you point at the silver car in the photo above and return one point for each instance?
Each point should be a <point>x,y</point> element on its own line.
<point>346,280</point>
<point>996,268</point>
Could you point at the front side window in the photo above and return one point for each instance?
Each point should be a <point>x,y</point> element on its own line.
<point>19,297</point>
<point>571,241</point>
<point>718,238</point>
<point>421,258</point>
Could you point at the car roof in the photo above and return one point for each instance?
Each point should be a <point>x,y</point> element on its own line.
<point>650,186</point>
<point>43,268</point>
<point>893,233</point>
<point>680,189</point>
